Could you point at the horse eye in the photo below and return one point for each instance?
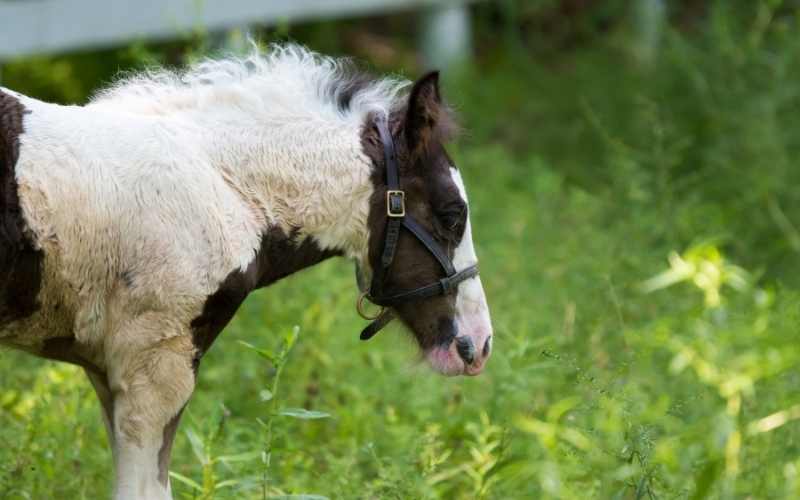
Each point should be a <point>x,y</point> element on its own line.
<point>452,220</point>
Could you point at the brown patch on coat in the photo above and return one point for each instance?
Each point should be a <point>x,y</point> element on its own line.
<point>166,448</point>
<point>280,255</point>
<point>20,260</point>
<point>68,350</point>
<point>102,389</point>
<point>432,198</point>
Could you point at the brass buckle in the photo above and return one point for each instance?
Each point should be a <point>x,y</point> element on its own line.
<point>395,193</point>
<point>363,312</point>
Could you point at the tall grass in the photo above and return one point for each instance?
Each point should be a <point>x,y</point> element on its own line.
<point>638,232</point>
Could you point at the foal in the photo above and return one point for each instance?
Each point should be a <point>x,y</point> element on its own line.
<point>132,228</point>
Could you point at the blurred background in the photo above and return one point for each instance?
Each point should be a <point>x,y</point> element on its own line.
<point>634,183</point>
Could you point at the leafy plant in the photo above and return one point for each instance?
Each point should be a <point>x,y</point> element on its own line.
<point>270,397</point>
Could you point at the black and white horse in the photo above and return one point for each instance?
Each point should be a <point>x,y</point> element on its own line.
<point>132,228</point>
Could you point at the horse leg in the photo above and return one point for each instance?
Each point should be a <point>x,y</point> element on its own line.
<point>150,389</point>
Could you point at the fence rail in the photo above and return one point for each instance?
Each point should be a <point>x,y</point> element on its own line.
<point>46,26</point>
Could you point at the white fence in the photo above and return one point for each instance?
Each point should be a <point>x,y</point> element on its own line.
<point>47,26</point>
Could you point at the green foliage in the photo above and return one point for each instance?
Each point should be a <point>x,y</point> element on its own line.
<point>707,128</point>
<point>637,225</point>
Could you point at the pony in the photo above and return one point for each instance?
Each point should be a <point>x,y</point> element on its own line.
<point>133,227</point>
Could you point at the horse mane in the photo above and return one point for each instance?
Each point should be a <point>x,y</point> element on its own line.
<point>284,83</point>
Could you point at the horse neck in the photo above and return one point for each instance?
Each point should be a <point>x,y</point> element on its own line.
<point>309,177</point>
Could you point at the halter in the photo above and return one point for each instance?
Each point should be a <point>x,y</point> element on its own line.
<point>397,218</point>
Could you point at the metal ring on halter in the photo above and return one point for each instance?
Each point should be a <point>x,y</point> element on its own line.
<point>362,312</point>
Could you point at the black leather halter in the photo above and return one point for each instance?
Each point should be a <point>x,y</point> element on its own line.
<point>397,218</point>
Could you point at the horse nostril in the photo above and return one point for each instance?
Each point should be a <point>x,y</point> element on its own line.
<point>487,347</point>
<point>466,349</point>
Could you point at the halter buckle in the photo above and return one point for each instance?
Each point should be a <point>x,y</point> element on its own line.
<point>395,203</point>
<point>362,310</point>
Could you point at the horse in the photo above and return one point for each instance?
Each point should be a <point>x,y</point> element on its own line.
<point>134,226</point>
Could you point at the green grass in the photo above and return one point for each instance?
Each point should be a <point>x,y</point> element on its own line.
<point>579,350</point>
<point>584,173</point>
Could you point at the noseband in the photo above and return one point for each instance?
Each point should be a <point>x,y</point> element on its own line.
<point>397,218</point>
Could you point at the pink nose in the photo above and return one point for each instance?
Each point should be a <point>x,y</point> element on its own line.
<point>474,359</point>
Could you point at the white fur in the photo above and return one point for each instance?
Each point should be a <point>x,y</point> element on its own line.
<point>137,474</point>
<point>471,298</point>
<point>472,311</point>
<point>280,110</point>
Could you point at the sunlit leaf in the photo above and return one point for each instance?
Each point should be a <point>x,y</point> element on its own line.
<point>303,414</point>
<point>291,337</point>
<point>241,457</point>
<point>264,353</point>
<point>185,480</point>
<point>559,409</point>
<point>300,496</point>
<point>772,422</point>
<point>229,483</point>
<point>197,446</point>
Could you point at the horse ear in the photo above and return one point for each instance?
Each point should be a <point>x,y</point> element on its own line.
<point>423,114</point>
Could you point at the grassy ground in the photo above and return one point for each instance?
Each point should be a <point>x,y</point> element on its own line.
<point>621,369</point>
